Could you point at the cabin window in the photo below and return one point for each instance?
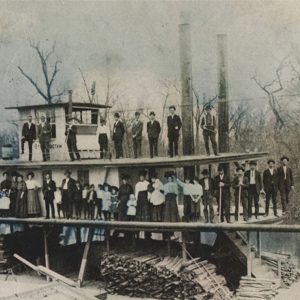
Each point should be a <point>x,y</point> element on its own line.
<point>83,177</point>
<point>51,119</point>
<point>85,116</point>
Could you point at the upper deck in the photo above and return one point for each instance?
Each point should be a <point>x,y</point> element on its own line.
<point>181,161</point>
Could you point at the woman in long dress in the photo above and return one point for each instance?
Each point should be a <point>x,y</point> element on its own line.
<point>34,208</point>
<point>196,194</point>
<point>13,193</point>
<point>156,198</point>
<point>141,196</point>
<point>125,191</point>
<point>21,199</point>
<point>171,192</point>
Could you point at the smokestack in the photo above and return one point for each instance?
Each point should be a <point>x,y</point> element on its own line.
<point>70,104</point>
<point>223,105</point>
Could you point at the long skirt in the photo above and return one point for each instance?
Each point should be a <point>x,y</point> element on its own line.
<point>187,208</point>
<point>157,213</point>
<point>171,209</point>
<point>123,208</point>
<point>143,207</point>
<point>21,205</point>
<point>195,211</point>
<point>33,203</point>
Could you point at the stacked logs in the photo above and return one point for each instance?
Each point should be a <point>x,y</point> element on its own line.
<point>150,276</point>
<point>282,265</point>
<point>256,288</point>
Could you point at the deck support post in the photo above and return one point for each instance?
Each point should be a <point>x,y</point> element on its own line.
<point>47,264</point>
<point>249,255</point>
<point>85,255</point>
<point>107,240</point>
<point>78,235</point>
<point>258,245</point>
<point>183,236</point>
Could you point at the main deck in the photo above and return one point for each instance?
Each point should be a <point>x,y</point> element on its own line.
<point>180,161</point>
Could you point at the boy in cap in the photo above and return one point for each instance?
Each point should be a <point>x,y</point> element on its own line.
<point>118,135</point>
<point>153,131</point>
<point>174,126</point>
<point>240,185</point>
<point>208,125</point>
<point>208,191</point>
<point>255,187</point>
<point>137,135</point>
<point>270,184</point>
<point>222,192</point>
<point>285,182</point>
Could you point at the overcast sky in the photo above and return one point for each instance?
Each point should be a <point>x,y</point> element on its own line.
<point>141,38</point>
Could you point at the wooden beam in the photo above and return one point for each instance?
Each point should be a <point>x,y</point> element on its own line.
<point>249,255</point>
<point>46,252</point>
<point>85,256</point>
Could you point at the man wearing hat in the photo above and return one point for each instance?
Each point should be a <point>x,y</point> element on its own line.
<point>255,187</point>
<point>68,189</point>
<point>28,135</point>
<point>103,134</point>
<point>71,140</point>
<point>222,192</point>
<point>285,182</point>
<point>137,135</point>
<point>153,131</point>
<point>240,185</point>
<point>44,134</point>
<point>208,192</point>
<point>270,183</point>
<point>208,125</point>
<point>118,135</point>
<point>174,126</point>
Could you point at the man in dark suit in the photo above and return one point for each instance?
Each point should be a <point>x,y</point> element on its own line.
<point>49,187</point>
<point>137,135</point>
<point>174,126</point>
<point>118,135</point>
<point>68,189</point>
<point>71,140</point>
<point>153,131</point>
<point>240,185</point>
<point>270,183</point>
<point>222,192</point>
<point>28,135</point>
<point>255,187</point>
<point>208,125</point>
<point>44,134</point>
<point>285,182</point>
<point>207,184</point>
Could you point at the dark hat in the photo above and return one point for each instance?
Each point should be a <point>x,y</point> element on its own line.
<point>102,120</point>
<point>137,113</point>
<point>14,173</point>
<point>240,168</point>
<point>5,173</point>
<point>117,115</point>
<point>30,174</point>
<point>172,106</point>
<point>67,172</point>
<point>205,172</point>
<point>113,187</point>
<point>100,186</point>
<point>105,184</point>
<point>152,113</point>
<point>271,160</point>
<point>142,173</point>
<point>284,157</point>
<point>169,174</point>
<point>220,168</point>
<point>125,176</point>
<point>253,163</point>
<point>208,106</point>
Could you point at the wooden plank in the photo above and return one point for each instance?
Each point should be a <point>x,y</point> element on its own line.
<point>46,252</point>
<point>85,256</point>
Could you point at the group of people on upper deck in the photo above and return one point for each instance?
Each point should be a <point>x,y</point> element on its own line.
<point>43,133</point>
<point>152,200</point>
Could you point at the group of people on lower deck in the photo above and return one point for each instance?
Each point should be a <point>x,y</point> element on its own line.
<point>43,133</point>
<point>152,200</point>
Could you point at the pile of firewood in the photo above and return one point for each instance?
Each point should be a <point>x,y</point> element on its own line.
<point>256,288</point>
<point>282,264</point>
<point>150,276</point>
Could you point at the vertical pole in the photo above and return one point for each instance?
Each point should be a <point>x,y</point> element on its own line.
<point>183,237</point>
<point>78,235</point>
<point>85,255</point>
<point>258,239</point>
<point>46,252</point>
<point>107,239</point>
<point>70,106</point>
<point>249,255</point>
<point>187,93</point>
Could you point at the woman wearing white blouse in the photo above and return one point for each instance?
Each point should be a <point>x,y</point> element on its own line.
<point>141,196</point>
<point>33,203</point>
<point>157,198</point>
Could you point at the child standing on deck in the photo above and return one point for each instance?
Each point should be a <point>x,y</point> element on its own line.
<point>114,203</point>
<point>78,200</point>
<point>106,204</point>
<point>131,210</point>
<point>99,200</point>
<point>85,192</point>
<point>92,197</point>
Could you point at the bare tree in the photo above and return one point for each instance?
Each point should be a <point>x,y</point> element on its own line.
<point>49,74</point>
